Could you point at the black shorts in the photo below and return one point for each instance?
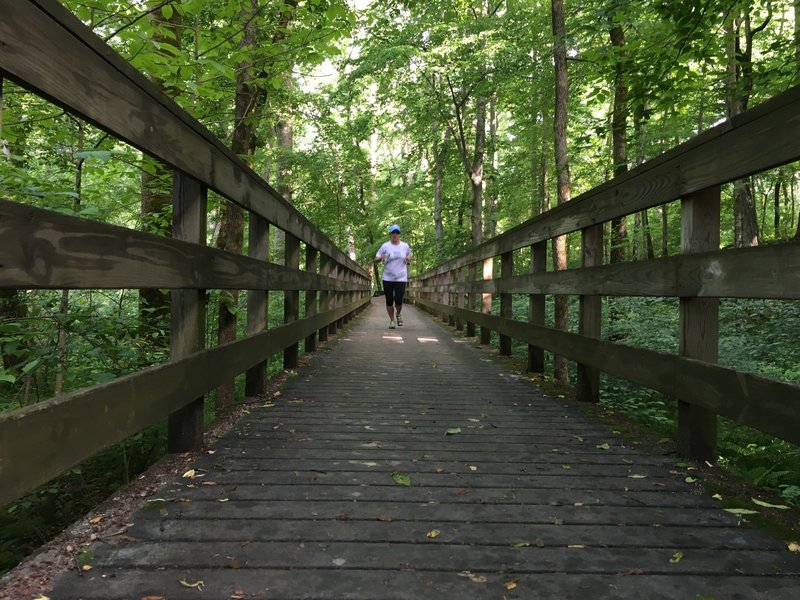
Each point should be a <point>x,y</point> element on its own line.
<point>394,292</point>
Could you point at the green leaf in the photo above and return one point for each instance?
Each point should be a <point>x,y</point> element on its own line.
<point>603,446</point>
<point>453,431</point>
<point>768,505</point>
<point>402,479</point>
<point>741,511</point>
<point>31,366</point>
<point>167,11</point>
<point>676,558</point>
<point>7,377</point>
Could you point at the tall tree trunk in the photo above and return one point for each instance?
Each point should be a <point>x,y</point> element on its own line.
<point>155,190</point>
<point>619,136</point>
<point>560,370</point>
<point>739,85</point>
<point>491,181</point>
<point>476,170</point>
<point>544,166</point>
<point>439,156</point>
<point>231,234</point>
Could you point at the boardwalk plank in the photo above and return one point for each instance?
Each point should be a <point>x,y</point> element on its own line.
<point>299,500</point>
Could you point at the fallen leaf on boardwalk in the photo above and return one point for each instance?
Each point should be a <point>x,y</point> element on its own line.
<point>384,518</point>
<point>472,577</point>
<point>238,594</point>
<point>146,598</point>
<point>269,405</point>
<point>433,533</point>
<point>234,564</point>
<point>189,474</point>
<point>276,394</point>
<point>402,479</point>
<point>85,568</point>
<point>558,522</point>
<point>472,467</point>
<point>635,476</point>
<point>603,446</point>
<point>453,431</point>
<point>296,401</point>
<point>741,511</point>
<point>95,520</point>
<point>793,547</point>
<point>223,499</point>
<point>768,505</point>
<point>342,517</point>
<point>579,504</point>
<point>193,584</point>
<point>209,483</point>
<point>690,480</point>
<point>676,558</point>
<point>462,492</point>
<point>211,451</point>
<point>717,497</point>
<point>440,470</point>
<point>521,545</point>
<point>627,461</point>
<point>474,420</point>
<point>631,572</point>
<point>566,467</point>
<point>47,598</point>
<point>577,437</point>
<point>576,546</point>
<point>510,585</point>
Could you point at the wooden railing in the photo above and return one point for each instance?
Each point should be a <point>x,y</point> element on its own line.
<point>47,50</point>
<point>760,139</point>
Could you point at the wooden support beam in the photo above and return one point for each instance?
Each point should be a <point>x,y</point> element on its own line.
<point>312,261</point>
<point>257,302</point>
<point>486,300</point>
<point>471,298</point>
<point>699,323</point>
<point>506,271</point>
<point>187,328</point>
<point>325,268</point>
<point>536,304</point>
<point>588,381</point>
<point>291,298</point>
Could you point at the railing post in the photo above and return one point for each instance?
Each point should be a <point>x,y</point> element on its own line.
<point>325,264</point>
<point>187,329</point>
<point>334,297</point>
<point>536,305</point>
<point>472,298</point>
<point>588,382</point>
<point>486,300</point>
<point>291,298</point>
<point>506,311</point>
<point>312,258</point>
<point>699,323</point>
<point>257,302</point>
<point>460,298</point>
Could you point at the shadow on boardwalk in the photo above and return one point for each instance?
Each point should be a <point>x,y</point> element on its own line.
<point>512,495</point>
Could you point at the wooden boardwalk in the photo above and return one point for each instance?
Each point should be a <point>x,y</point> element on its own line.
<point>523,499</point>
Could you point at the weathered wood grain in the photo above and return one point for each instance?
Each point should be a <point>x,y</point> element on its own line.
<point>766,404</point>
<point>761,272</point>
<point>46,49</point>
<point>45,249</point>
<point>42,441</point>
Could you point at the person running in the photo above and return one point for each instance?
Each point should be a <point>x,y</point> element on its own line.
<point>395,255</point>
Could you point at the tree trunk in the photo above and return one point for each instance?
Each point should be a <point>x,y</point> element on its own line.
<point>155,183</point>
<point>231,234</point>
<point>476,170</point>
<point>439,155</point>
<point>491,188</point>
<point>739,85</point>
<point>560,370</point>
<point>619,144</point>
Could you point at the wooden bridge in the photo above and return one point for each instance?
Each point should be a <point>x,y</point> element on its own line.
<point>403,463</point>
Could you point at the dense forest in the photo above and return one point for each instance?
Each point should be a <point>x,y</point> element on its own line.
<point>457,119</point>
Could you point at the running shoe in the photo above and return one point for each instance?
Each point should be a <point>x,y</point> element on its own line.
<point>391,324</point>
<point>399,321</point>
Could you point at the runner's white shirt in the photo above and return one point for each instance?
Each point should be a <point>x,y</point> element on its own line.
<point>394,267</point>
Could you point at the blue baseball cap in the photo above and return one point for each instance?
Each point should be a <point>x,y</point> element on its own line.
<point>394,228</point>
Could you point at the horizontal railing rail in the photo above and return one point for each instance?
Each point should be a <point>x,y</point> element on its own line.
<point>46,50</point>
<point>461,290</point>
